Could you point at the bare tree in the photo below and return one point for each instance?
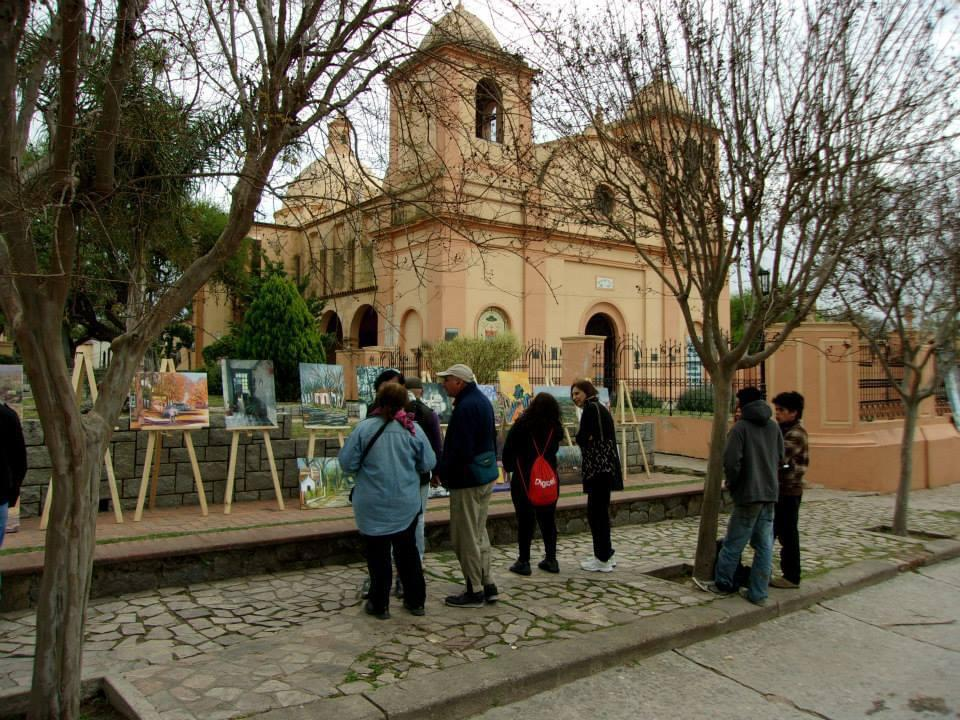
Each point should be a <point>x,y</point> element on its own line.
<point>272,71</point>
<point>900,287</point>
<point>723,139</point>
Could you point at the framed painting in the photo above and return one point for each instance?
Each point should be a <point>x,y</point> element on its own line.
<point>249,393</point>
<point>169,401</point>
<point>514,394</point>
<point>436,398</point>
<point>568,411</point>
<point>322,395</point>
<point>366,375</point>
<point>11,387</point>
<point>323,483</point>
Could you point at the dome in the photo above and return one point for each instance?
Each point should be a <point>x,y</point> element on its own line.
<point>331,183</point>
<point>459,27</point>
<point>661,95</point>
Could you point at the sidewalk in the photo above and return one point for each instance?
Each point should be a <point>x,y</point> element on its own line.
<point>270,644</point>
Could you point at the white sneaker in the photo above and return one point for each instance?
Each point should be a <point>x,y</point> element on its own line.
<point>595,565</point>
<point>612,562</point>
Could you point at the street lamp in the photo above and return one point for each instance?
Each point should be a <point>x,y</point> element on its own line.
<point>763,278</point>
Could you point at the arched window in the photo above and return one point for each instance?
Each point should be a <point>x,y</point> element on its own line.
<point>603,200</point>
<point>489,105</point>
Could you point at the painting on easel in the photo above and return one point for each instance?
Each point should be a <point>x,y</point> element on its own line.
<point>11,387</point>
<point>436,398</point>
<point>170,401</point>
<point>323,483</point>
<point>568,411</point>
<point>249,393</point>
<point>322,394</point>
<point>515,394</point>
<point>366,376</point>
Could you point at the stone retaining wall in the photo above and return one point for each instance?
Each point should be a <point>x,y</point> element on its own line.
<point>212,445</point>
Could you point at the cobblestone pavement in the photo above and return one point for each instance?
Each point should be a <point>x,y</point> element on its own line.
<point>233,648</point>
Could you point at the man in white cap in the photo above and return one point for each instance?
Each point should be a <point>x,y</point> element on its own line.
<point>465,470</point>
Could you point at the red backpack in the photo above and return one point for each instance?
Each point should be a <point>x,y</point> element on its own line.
<point>544,486</point>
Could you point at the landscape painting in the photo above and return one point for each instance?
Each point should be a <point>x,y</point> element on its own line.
<point>322,395</point>
<point>568,411</point>
<point>490,392</point>
<point>169,401</point>
<point>11,386</point>
<point>323,483</point>
<point>514,394</point>
<point>365,379</point>
<point>436,398</point>
<point>249,393</point>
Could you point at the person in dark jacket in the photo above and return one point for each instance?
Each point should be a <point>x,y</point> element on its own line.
<point>787,410</point>
<point>600,466</point>
<point>13,462</point>
<point>751,458</point>
<point>471,438</point>
<point>538,430</point>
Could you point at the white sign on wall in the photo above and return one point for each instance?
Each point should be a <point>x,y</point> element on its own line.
<point>604,283</point>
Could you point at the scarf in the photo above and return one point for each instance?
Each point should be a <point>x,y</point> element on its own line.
<point>402,417</point>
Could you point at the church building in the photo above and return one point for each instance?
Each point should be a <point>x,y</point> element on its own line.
<point>461,235</point>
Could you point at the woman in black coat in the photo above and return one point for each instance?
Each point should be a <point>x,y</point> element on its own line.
<point>538,428</point>
<point>602,474</point>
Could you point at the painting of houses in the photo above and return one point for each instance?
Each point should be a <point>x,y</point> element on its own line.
<point>169,401</point>
<point>249,393</point>
<point>514,394</point>
<point>323,483</point>
<point>11,386</point>
<point>322,395</point>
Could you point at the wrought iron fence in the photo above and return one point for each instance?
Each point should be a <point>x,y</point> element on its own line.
<point>879,399</point>
<point>664,377</point>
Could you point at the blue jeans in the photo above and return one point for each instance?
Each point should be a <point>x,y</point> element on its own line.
<point>421,543</point>
<point>751,523</point>
<point>4,509</point>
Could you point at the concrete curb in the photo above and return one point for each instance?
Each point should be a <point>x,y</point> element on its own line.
<point>475,687</point>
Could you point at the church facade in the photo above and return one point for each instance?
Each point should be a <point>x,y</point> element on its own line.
<point>461,236</point>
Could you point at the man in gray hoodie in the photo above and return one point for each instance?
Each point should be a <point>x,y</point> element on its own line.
<point>751,458</point>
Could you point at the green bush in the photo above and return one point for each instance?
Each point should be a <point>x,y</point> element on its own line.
<point>278,326</point>
<point>697,399</point>
<point>485,356</point>
<point>641,399</point>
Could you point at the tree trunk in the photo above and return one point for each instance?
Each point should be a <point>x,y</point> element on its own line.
<point>713,486</point>
<point>912,409</point>
<point>68,563</point>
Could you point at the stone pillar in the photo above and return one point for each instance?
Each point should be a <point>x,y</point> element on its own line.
<point>350,359</point>
<point>578,357</point>
<point>819,360</point>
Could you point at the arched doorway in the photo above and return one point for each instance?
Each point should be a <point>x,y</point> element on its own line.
<point>330,324</point>
<point>602,324</point>
<point>367,327</point>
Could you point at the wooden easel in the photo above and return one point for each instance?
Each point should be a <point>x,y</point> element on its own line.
<point>232,465</point>
<point>623,402</point>
<point>154,445</point>
<point>81,370</point>
<point>312,431</point>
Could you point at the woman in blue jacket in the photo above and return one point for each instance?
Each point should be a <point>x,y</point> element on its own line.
<point>386,453</point>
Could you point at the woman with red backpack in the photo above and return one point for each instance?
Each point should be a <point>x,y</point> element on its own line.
<point>530,455</point>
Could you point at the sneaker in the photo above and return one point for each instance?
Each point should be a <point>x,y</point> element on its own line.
<point>710,587</point>
<point>490,593</point>
<point>398,589</point>
<point>745,594</point>
<point>369,609</point>
<point>465,600</point>
<point>520,567</point>
<point>595,565</point>
<point>418,611</point>
<point>783,584</point>
<point>550,565</point>
<point>612,560</point>
<point>365,588</point>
